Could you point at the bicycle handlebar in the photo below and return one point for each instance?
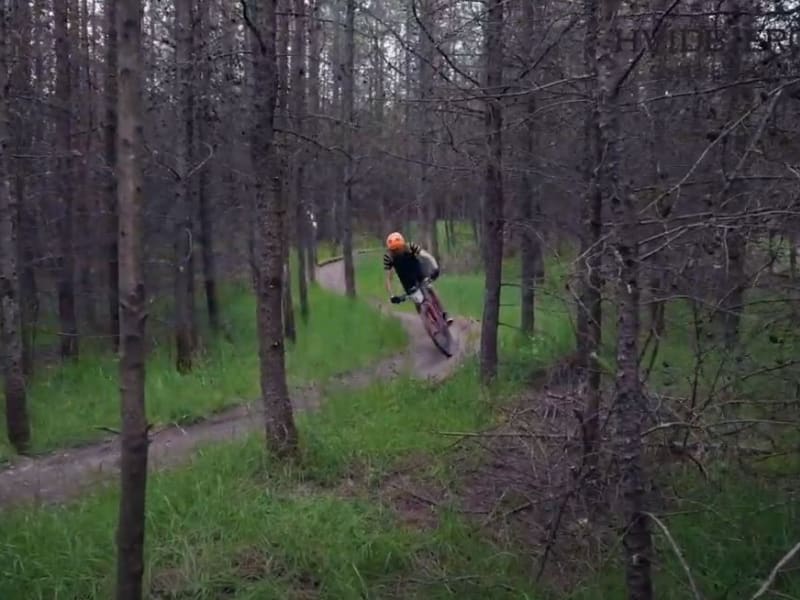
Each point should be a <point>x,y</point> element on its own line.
<point>425,281</point>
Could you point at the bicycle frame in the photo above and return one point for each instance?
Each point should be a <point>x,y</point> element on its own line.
<point>432,315</point>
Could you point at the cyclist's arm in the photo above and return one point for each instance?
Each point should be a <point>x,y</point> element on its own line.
<point>388,266</point>
<point>389,283</point>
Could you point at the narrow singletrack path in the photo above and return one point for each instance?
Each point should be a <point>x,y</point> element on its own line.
<point>63,474</point>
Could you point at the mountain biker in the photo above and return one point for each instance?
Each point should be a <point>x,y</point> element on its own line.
<point>412,264</point>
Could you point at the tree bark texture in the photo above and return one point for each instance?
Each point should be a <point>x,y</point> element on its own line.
<point>348,106</point>
<point>590,280</point>
<point>300,155</point>
<point>17,422</point>
<point>628,405</point>
<point>110,133</point>
<point>134,446</point>
<point>204,125</point>
<point>68,322</point>
<point>281,433</point>
<point>493,223</point>
<point>184,240</point>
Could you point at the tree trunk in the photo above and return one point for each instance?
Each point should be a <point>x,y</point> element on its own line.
<point>493,198</point>
<point>424,201</point>
<point>68,322</point>
<point>660,261</point>
<point>314,51</point>
<point>628,409</point>
<point>735,245</point>
<point>529,241</point>
<point>184,243</point>
<point>282,121</point>
<point>348,119</point>
<point>289,324</point>
<point>82,139</point>
<point>111,179</point>
<point>17,424</point>
<point>22,130</point>
<point>205,218</point>
<point>281,432</point>
<point>590,316</point>
<point>134,442</point>
<point>300,155</point>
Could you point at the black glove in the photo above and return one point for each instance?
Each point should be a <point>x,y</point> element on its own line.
<point>396,299</point>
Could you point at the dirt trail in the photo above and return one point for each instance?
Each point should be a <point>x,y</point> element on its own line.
<point>64,474</point>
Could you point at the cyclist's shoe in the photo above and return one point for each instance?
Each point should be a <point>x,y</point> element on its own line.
<point>448,319</point>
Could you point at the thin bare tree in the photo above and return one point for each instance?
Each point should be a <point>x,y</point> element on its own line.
<point>134,446</point>
<point>281,433</point>
<point>300,155</point>
<point>493,223</point>
<point>629,400</point>
<point>349,124</point>
<point>17,422</point>
<point>184,231</point>
<point>68,321</point>
<point>110,133</point>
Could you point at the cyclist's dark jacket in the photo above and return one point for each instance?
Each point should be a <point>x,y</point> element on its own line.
<point>406,264</point>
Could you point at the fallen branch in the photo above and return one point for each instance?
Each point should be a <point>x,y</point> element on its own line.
<point>509,434</point>
<point>108,429</point>
<point>678,553</point>
<point>774,573</point>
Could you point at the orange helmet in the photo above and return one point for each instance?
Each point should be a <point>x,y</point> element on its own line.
<point>395,241</point>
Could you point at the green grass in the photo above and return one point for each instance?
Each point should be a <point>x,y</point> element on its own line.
<point>230,525</point>
<point>68,404</point>
<point>233,525</point>
<point>731,534</point>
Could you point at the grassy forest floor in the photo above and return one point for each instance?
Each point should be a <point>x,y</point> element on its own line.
<point>79,402</point>
<point>378,506</point>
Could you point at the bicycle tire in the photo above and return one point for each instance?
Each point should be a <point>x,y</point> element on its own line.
<point>437,329</point>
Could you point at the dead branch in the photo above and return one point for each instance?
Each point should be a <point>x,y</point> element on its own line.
<point>678,553</point>
<point>774,573</point>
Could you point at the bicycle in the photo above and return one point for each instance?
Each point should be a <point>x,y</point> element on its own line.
<point>430,311</point>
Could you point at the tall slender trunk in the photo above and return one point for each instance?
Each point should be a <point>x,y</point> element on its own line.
<point>529,241</point>
<point>300,155</point>
<point>628,405</point>
<point>68,322</point>
<point>493,224</point>
<point>424,201</point>
<point>22,129</point>
<point>134,445</point>
<point>17,423</point>
<point>184,242</point>
<point>660,261</point>
<point>348,120</point>
<point>111,163</point>
<point>590,317</point>
<point>735,245</point>
<point>314,50</point>
<point>282,120</point>
<point>82,139</point>
<point>289,324</point>
<point>204,210</point>
<point>281,433</point>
